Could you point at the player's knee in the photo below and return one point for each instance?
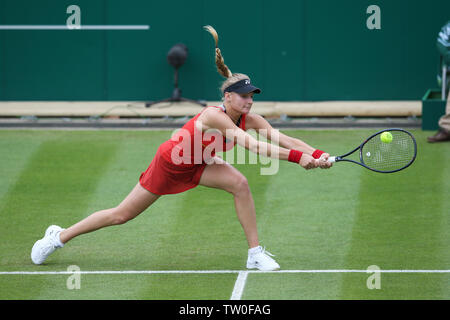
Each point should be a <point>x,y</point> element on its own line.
<point>120,217</point>
<point>241,186</point>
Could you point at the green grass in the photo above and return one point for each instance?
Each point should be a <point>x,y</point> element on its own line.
<point>343,218</point>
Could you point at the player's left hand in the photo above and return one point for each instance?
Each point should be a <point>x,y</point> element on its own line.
<point>323,161</point>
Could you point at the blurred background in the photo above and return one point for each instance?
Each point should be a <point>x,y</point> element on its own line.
<point>294,50</point>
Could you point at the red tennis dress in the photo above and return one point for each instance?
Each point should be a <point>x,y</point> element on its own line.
<point>179,162</point>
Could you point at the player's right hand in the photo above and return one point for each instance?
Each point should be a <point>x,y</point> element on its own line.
<point>323,161</point>
<point>308,162</point>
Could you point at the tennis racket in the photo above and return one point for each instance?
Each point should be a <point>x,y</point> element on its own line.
<point>384,157</point>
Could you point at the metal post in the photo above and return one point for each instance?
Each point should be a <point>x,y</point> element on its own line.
<point>444,80</point>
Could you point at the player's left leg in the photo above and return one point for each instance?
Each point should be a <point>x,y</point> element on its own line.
<point>55,237</point>
<point>134,204</point>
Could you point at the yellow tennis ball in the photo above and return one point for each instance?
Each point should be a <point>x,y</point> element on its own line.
<point>386,137</point>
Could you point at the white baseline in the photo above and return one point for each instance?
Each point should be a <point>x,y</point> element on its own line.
<point>217,271</point>
<point>241,280</point>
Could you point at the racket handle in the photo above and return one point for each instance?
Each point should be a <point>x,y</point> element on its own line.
<point>331,159</point>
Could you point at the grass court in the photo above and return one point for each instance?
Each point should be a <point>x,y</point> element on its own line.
<point>326,227</point>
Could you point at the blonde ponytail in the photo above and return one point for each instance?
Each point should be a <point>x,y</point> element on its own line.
<point>220,63</point>
<point>222,68</point>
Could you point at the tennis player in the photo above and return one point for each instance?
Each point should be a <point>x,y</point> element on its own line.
<point>166,174</point>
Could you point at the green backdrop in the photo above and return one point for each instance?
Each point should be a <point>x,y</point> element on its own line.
<point>294,50</point>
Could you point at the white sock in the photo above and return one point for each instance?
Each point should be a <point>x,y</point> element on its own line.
<point>254,250</point>
<point>58,240</point>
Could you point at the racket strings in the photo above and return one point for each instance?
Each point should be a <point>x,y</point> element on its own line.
<point>383,156</point>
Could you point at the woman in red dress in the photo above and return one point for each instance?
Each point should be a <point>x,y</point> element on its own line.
<point>188,159</point>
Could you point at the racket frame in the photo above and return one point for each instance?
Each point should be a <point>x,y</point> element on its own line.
<point>360,147</point>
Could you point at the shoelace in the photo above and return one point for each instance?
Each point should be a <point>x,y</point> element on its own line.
<point>52,244</point>
<point>264,251</point>
<point>45,251</point>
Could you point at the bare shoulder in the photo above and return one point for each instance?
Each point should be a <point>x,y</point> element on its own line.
<point>256,121</point>
<point>213,118</point>
<point>210,113</point>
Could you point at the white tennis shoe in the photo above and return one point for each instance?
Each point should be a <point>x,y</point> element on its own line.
<point>261,259</point>
<point>47,245</point>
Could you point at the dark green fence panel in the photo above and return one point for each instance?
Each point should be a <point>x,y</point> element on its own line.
<point>294,50</point>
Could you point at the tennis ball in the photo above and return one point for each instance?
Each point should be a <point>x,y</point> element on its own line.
<point>386,137</point>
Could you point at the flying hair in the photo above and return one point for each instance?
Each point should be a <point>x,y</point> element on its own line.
<point>222,68</point>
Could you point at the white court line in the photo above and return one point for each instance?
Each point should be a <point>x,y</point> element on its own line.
<point>239,285</point>
<point>82,27</point>
<point>215,271</point>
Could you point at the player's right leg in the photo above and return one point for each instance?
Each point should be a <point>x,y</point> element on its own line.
<point>55,237</point>
<point>226,177</point>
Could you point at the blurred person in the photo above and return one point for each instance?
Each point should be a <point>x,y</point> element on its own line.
<point>443,133</point>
